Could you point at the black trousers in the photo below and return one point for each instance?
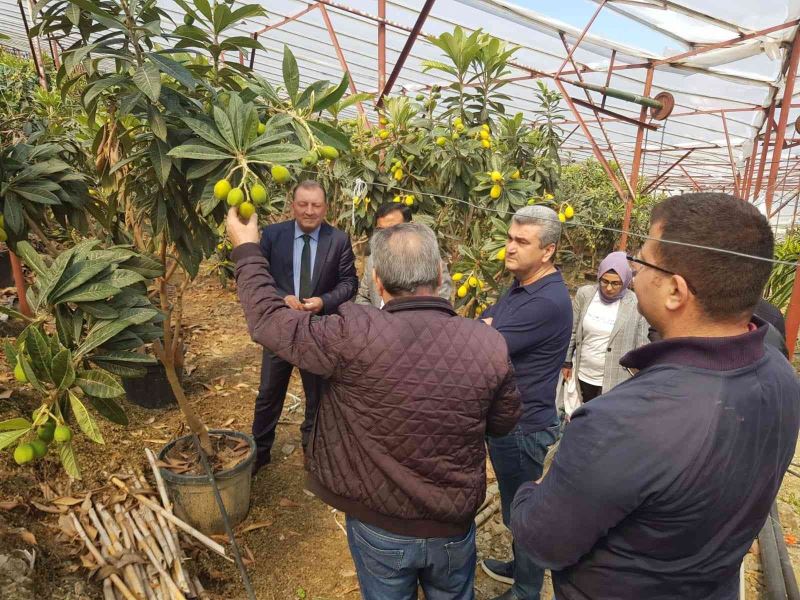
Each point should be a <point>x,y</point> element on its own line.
<point>275,375</point>
<point>589,391</point>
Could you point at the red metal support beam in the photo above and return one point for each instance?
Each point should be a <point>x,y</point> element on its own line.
<point>762,163</point>
<point>342,59</point>
<point>637,161</point>
<point>663,175</point>
<point>19,282</point>
<point>749,163</point>
<point>381,45</point>
<point>578,41</point>
<point>793,315</point>
<point>617,116</point>
<point>401,61</point>
<point>730,156</point>
<point>288,19</point>
<point>598,154</point>
<point>780,134</point>
<point>608,75</point>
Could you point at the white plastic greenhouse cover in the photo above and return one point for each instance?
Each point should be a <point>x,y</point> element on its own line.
<point>742,79</point>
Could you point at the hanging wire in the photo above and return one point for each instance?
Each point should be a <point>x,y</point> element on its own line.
<point>661,148</point>
<point>577,223</point>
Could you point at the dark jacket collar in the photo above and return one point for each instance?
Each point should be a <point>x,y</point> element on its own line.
<point>715,354</point>
<point>534,287</point>
<point>419,303</point>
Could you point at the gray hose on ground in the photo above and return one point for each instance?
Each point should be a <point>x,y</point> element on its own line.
<point>792,592</point>
<point>771,563</point>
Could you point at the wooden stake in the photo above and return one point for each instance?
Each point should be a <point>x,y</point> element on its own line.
<point>108,590</point>
<point>156,562</point>
<point>200,537</point>
<point>120,585</point>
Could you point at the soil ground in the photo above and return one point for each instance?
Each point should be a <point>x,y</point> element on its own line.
<point>299,549</point>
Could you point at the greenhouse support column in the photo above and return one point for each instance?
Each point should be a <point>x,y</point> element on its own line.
<point>637,161</point>
<point>19,282</point>
<point>793,315</point>
<point>764,149</point>
<point>734,172</point>
<point>381,44</point>
<point>35,54</point>
<point>401,61</point>
<point>780,134</point>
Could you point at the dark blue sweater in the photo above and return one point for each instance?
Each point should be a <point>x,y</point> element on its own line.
<point>660,486</point>
<point>536,321</point>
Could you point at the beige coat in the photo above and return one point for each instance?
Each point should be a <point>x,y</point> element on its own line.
<point>630,331</point>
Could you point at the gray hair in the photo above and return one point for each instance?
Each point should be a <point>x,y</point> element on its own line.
<point>406,257</point>
<point>546,219</point>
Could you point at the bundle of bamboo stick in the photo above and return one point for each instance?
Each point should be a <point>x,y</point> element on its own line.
<point>139,545</point>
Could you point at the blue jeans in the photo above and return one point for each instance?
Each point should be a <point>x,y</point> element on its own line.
<point>391,566</point>
<point>519,457</point>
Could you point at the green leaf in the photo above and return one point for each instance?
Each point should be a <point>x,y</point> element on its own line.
<point>15,424</point>
<point>54,275</point>
<point>157,123</point>
<point>100,310</point>
<point>123,278</point>
<point>120,370</point>
<point>136,358</point>
<point>144,265</point>
<point>333,96</point>
<point>161,162</point>
<point>9,437</point>
<point>85,421</point>
<point>198,152</point>
<point>330,136</point>
<point>138,316</point>
<point>74,276</point>
<point>11,354</point>
<point>174,69</point>
<point>280,153</point>
<point>38,349</point>
<point>29,372</point>
<point>225,126</point>
<point>98,384</point>
<point>291,74</point>
<point>207,132</point>
<point>14,314</point>
<point>99,334</point>
<point>148,79</point>
<point>13,213</point>
<point>63,372</point>
<point>67,456</point>
<point>90,292</point>
<point>31,258</point>
<point>109,410</point>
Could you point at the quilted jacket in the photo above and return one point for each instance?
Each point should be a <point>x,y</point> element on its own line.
<point>411,392</point>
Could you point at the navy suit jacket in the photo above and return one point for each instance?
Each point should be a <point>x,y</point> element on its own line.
<point>334,278</point>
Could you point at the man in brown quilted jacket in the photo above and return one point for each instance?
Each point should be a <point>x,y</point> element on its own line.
<point>410,392</point>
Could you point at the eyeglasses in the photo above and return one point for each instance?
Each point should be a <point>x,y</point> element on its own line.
<point>644,263</point>
<point>614,285</point>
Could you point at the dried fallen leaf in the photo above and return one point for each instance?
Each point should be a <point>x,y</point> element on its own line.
<point>286,503</point>
<point>227,423</point>
<point>54,510</point>
<point>10,505</point>
<point>67,501</point>
<point>5,394</point>
<point>26,536</point>
<point>258,525</point>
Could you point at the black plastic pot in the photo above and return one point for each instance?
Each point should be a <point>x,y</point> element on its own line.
<point>6,275</point>
<point>152,390</point>
<point>194,497</point>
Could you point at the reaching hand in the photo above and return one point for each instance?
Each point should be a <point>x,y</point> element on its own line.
<point>293,302</point>
<point>239,231</point>
<point>314,305</point>
<point>567,373</point>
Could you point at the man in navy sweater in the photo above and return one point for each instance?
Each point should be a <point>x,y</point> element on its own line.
<point>660,486</point>
<point>535,318</point>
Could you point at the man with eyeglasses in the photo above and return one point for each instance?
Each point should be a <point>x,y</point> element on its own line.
<point>660,485</point>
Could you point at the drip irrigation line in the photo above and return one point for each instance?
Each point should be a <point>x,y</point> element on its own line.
<point>576,223</point>
<point>228,529</point>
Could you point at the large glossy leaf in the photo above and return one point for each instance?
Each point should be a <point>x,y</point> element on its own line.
<point>38,350</point>
<point>133,358</point>
<point>138,316</point>
<point>123,278</point>
<point>62,370</point>
<point>198,152</point>
<point>160,161</point>
<point>333,96</point>
<point>207,132</point>
<point>101,333</point>
<point>85,421</point>
<point>67,456</point>
<point>148,79</point>
<point>145,266</point>
<point>224,126</point>
<point>330,136</point>
<point>174,69</point>
<point>54,275</point>
<point>291,74</point>
<point>119,369</point>
<point>11,354</point>
<point>9,437</point>
<point>76,275</point>
<point>13,213</point>
<point>30,373</point>
<point>157,123</point>
<point>110,410</point>
<point>98,384</point>
<point>15,424</point>
<point>279,153</point>
<point>90,292</point>
<point>31,258</point>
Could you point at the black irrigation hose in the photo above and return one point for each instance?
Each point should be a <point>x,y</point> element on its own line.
<point>771,563</point>
<point>792,591</point>
<point>228,529</point>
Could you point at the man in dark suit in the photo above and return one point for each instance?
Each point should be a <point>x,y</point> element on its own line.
<point>314,269</point>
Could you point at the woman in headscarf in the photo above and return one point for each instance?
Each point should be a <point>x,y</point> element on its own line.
<point>606,325</point>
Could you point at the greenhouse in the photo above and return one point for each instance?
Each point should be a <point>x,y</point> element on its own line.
<point>142,143</point>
